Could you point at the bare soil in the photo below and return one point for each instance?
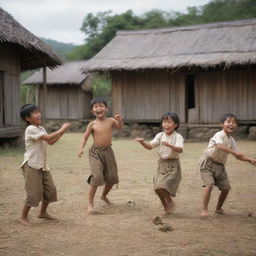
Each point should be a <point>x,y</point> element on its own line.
<point>126,228</point>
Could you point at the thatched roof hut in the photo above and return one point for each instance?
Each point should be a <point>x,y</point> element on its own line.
<point>20,50</point>
<point>199,71</point>
<point>69,91</point>
<point>69,73</point>
<point>207,45</point>
<point>34,53</point>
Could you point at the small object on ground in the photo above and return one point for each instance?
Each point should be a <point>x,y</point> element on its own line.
<point>250,214</point>
<point>157,220</point>
<point>165,228</point>
<point>131,203</point>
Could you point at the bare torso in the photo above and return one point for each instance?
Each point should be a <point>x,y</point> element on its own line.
<point>102,131</point>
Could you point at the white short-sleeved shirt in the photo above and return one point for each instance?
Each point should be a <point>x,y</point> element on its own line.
<point>165,152</point>
<point>35,153</point>
<point>217,154</point>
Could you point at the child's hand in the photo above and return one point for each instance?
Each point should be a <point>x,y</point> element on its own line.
<point>139,139</point>
<point>65,126</point>
<point>253,161</point>
<point>164,143</point>
<point>80,153</point>
<point>118,118</point>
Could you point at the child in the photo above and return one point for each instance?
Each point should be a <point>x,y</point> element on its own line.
<point>212,164</point>
<point>101,156</point>
<point>168,175</point>
<point>39,184</point>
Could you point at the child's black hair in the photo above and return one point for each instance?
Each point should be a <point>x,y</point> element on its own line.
<point>26,110</point>
<point>228,116</point>
<point>174,117</point>
<point>98,100</point>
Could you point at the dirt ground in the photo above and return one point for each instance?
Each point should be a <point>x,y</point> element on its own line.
<point>126,228</point>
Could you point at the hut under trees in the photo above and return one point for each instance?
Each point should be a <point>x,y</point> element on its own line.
<point>20,50</point>
<point>69,91</point>
<point>200,72</point>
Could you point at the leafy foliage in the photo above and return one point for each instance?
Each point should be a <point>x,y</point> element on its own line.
<point>101,28</point>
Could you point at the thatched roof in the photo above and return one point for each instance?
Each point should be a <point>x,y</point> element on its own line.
<point>207,45</point>
<point>69,73</point>
<point>34,52</point>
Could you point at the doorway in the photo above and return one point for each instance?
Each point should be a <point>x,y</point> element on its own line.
<point>192,113</point>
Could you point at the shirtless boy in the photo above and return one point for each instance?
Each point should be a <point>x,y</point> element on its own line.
<point>101,156</point>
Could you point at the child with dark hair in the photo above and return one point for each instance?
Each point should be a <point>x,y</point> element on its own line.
<point>212,163</point>
<point>168,174</point>
<point>39,184</point>
<point>101,156</point>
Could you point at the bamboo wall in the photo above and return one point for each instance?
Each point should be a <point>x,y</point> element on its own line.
<point>66,102</point>
<point>227,91</point>
<point>9,87</point>
<point>146,95</point>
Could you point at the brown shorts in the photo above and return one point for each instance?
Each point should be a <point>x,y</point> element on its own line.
<point>103,166</point>
<point>214,173</point>
<point>38,186</point>
<point>168,175</point>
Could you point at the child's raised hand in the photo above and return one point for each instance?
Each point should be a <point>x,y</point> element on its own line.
<point>118,118</point>
<point>80,153</point>
<point>65,126</point>
<point>139,139</point>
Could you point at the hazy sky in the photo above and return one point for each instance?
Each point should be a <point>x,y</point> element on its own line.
<point>61,19</point>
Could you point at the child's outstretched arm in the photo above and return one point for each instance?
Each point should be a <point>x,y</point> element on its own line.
<point>236,154</point>
<point>118,122</point>
<point>146,145</point>
<point>55,136</point>
<point>85,138</point>
<point>246,159</point>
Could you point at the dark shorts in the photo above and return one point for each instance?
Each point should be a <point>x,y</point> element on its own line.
<point>214,173</point>
<point>103,166</point>
<point>168,175</point>
<point>39,186</point>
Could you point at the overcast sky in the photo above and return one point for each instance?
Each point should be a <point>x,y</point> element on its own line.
<point>61,19</point>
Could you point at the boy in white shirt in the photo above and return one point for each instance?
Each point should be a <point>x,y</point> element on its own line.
<point>212,163</point>
<point>39,184</point>
<point>168,175</point>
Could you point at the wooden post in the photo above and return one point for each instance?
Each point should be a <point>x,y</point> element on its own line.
<point>45,93</point>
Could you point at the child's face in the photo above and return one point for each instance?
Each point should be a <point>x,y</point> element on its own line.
<point>35,118</point>
<point>168,125</point>
<point>229,125</point>
<point>99,110</point>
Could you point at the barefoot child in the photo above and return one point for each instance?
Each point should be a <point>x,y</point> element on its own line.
<point>212,163</point>
<point>168,175</point>
<point>39,184</point>
<point>101,156</point>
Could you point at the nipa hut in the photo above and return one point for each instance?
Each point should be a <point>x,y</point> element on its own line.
<point>200,72</point>
<point>69,91</point>
<point>20,50</point>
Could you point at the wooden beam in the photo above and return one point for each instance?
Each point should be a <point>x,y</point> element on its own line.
<point>44,92</point>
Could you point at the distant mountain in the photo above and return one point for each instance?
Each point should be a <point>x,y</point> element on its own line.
<point>61,48</point>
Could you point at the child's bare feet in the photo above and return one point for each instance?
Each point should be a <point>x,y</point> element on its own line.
<point>219,211</point>
<point>106,200</point>
<point>46,216</point>
<point>91,211</point>
<point>25,221</point>
<point>204,213</point>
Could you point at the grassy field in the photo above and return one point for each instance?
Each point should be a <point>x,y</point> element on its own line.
<point>126,228</point>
